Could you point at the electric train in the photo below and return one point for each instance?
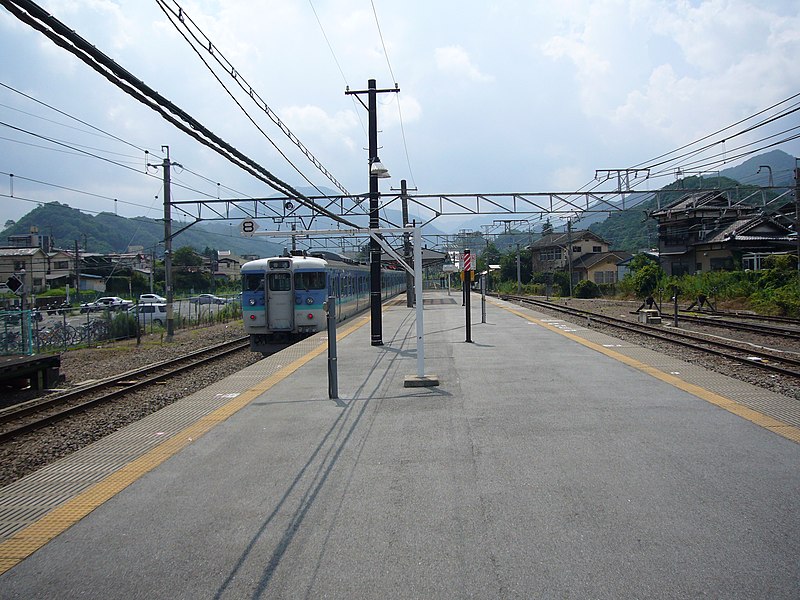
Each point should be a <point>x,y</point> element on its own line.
<point>283,296</point>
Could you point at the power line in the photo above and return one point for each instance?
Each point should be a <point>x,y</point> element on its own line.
<point>74,118</point>
<point>339,66</point>
<point>394,79</point>
<point>60,34</point>
<point>100,133</point>
<point>182,17</point>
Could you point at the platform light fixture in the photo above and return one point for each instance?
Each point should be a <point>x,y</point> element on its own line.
<point>376,169</point>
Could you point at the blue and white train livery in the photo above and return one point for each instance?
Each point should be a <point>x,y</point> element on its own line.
<point>283,296</point>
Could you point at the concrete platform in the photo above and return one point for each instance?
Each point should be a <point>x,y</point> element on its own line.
<point>550,462</point>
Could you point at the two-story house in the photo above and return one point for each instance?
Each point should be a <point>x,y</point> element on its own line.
<point>705,231</point>
<point>589,254</point>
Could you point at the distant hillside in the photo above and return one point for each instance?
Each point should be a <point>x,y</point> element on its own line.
<point>106,232</point>
<point>751,173</point>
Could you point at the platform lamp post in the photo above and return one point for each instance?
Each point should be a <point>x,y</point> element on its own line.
<point>376,171</point>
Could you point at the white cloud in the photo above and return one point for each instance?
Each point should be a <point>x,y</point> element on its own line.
<point>684,67</point>
<point>456,60</point>
<point>312,121</point>
<point>410,107</point>
<point>568,178</point>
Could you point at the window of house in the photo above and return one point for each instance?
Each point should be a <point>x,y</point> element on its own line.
<point>576,248</point>
<point>550,254</point>
<point>722,264</point>
<point>605,276</point>
<point>19,265</point>
<point>597,248</point>
<point>62,264</point>
<point>37,281</point>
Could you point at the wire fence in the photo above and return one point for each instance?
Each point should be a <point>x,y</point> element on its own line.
<point>37,331</point>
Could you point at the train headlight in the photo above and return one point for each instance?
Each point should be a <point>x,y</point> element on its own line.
<point>309,300</point>
<point>252,302</point>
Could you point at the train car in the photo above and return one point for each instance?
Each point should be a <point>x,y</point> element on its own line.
<point>283,296</point>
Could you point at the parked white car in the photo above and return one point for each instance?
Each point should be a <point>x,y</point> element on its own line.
<point>106,303</point>
<point>146,314</point>
<point>151,299</point>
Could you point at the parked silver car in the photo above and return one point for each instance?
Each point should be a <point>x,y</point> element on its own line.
<point>151,299</point>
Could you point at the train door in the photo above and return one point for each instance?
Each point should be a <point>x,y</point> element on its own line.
<point>280,301</point>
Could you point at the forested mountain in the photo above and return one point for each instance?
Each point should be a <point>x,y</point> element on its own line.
<point>107,232</point>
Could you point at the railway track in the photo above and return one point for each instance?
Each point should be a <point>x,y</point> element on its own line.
<point>785,332</point>
<point>768,361</point>
<point>35,414</point>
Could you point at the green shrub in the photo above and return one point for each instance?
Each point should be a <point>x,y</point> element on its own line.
<point>586,289</point>
<point>123,325</point>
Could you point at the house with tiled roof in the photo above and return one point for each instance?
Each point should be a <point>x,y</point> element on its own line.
<point>583,253</point>
<point>705,231</point>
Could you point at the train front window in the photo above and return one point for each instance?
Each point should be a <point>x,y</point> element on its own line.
<point>280,282</point>
<point>309,280</point>
<point>253,282</point>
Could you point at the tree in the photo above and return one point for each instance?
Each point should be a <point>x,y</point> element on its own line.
<point>185,256</point>
<point>547,228</point>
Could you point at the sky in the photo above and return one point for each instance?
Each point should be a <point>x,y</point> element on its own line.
<point>504,96</point>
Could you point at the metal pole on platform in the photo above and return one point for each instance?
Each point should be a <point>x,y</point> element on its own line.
<point>418,298</point>
<point>333,375</point>
<point>467,278</point>
<point>483,299</point>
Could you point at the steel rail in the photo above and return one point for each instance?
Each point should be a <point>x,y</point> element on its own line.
<point>766,330</point>
<point>150,374</point>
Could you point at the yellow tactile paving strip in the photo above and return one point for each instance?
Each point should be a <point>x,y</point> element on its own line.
<point>772,411</point>
<point>37,508</point>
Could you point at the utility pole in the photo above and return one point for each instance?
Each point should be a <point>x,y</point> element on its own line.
<point>407,244</point>
<point>374,219</point>
<point>166,164</point>
<point>168,246</point>
<point>77,273</point>
<point>569,253</point>
<point>519,272</point>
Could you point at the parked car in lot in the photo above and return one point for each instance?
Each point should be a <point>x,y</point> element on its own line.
<point>151,299</point>
<point>106,303</point>
<point>145,314</point>
<point>207,299</point>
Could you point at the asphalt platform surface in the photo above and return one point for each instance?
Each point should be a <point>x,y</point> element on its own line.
<point>539,468</point>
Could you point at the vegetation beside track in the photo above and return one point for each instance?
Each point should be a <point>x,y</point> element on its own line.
<point>775,290</point>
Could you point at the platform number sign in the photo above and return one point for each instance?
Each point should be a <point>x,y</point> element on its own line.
<point>248,227</point>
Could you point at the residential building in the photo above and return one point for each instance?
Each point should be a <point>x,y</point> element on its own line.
<point>27,264</point>
<point>590,255</point>
<point>705,231</point>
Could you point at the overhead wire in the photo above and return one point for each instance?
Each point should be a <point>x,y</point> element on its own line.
<point>36,17</point>
<point>97,131</point>
<point>394,79</point>
<point>74,118</point>
<point>182,17</point>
